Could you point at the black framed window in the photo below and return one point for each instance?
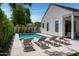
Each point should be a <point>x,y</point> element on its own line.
<point>42,25</point>
<point>47,26</point>
<point>57,26</point>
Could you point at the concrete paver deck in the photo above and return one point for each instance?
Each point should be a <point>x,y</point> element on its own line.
<point>17,48</point>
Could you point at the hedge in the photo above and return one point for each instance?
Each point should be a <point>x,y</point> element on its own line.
<point>6,29</point>
<point>26,29</point>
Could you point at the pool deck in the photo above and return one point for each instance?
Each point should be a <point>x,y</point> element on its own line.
<point>17,48</point>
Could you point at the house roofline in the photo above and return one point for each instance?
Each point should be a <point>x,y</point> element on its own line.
<point>46,11</point>
<point>65,7</point>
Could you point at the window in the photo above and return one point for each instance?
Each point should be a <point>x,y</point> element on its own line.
<point>56,26</point>
<point>47,26</point>
<point>42,25</point>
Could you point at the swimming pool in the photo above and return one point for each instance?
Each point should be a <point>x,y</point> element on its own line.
<point>29,35</point>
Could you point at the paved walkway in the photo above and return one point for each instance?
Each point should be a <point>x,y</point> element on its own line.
<point>17,49</point>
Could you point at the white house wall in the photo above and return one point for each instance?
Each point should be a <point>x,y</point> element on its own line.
<point>77,21</point>
<point>77,24</point>
<point>54,13</point>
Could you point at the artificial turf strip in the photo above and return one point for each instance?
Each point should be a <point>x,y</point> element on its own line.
<point>74,54</point>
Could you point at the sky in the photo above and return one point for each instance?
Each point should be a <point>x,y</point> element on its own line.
<point>37,10</point>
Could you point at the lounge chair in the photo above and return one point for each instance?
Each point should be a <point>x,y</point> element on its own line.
<point>54,53</point>
<point>60,40</point>
<point>42,44</point>
<point>28,49</point>
<point>27,42</point>
<point>42,39</point>
<point>64,41</point>
<point>53,38</point>
<point>28,45</point>
<point>49,42</point>
<point>55,43</point>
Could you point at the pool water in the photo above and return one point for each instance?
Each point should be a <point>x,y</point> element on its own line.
<point>29,35</point>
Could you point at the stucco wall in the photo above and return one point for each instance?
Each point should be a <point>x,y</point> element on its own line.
<point>54,13</point>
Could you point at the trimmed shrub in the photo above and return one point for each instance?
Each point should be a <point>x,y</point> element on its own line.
<point>27,29</point>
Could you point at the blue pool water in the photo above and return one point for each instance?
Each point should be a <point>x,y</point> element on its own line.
<point>29,35</point>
